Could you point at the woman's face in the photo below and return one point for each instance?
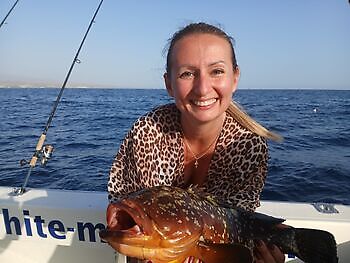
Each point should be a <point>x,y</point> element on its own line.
<point>201,78</point>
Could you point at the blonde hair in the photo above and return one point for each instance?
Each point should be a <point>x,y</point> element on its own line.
<point>237,112</point>
<point>234,109</point>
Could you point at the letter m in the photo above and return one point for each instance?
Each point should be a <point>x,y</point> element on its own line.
<point>91,230</point>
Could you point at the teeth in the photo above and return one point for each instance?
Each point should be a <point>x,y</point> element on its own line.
<point>204,102</point>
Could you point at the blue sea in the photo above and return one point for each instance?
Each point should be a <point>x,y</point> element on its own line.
<point>312,164</point>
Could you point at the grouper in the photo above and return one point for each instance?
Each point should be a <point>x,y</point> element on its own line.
<point>169,224</point>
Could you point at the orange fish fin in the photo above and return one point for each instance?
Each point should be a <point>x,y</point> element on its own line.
<point>223,253</point>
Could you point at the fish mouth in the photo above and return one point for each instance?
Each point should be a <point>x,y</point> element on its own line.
<point>132,232</point>
<point>125,222</point>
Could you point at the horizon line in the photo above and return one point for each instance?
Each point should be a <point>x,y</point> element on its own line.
<point>162,88</point>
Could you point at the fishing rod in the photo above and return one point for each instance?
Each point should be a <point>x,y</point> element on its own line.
<point>44,151</point>
<point>9,12</point>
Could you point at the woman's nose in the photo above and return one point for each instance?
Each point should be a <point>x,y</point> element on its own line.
<point>202,84</point>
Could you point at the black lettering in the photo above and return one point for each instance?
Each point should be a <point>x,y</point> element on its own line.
<point>91,228</point>
<point>8,221</point>
<point>39,226</point>
<point>27,223</point>
<point>59,228</point>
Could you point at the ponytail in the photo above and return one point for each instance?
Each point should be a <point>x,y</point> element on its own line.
<point>236,111</point>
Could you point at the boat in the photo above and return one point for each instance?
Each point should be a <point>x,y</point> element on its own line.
<point>334,218</point>
<point>54,226</point>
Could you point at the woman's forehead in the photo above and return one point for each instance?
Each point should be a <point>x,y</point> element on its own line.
<point>201,47</point>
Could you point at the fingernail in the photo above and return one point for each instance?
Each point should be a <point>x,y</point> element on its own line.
<point>271,246</point>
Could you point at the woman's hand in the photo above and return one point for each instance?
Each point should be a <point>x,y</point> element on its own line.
<point>264,253</point>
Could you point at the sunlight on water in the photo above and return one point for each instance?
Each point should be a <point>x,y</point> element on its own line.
<point>312,164</point>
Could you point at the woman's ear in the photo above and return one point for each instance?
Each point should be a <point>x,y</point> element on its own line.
<point>236,75</point>
<point>168,84</point>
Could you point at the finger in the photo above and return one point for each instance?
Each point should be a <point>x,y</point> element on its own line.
<point>276,253</point>
<point>257,258</point>
<point>259,261</point>
<point>264,253</point>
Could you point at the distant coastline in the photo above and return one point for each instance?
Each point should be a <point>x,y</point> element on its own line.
<point>161,88</point>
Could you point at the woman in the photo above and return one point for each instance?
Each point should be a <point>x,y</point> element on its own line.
<point>204,138</point>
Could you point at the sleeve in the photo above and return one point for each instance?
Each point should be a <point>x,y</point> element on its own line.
<point>122,170</point>
<point>254,172</point>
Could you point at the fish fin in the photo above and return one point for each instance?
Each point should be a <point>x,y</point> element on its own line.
<point>316,246</point>
<point>223,253</point>
<point>260,219</point>
<point>310,245</point>
<point>255,225</point>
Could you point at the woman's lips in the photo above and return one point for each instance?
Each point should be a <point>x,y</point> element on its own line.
<point>204,103</point>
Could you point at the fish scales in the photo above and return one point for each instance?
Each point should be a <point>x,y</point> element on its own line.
<point>169,224</point>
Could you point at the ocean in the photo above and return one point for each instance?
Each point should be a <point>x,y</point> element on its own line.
<point>312,164</point>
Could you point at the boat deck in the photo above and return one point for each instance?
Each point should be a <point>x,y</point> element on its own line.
<point>55,226</point>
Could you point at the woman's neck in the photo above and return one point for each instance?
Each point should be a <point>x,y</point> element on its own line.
<point>199,146</point>
<point>202,133</point>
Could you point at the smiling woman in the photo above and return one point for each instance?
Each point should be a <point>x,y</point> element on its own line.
<point>202,139</point>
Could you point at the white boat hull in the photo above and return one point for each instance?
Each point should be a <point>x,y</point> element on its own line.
<point>306,216</point>
<point>55,226</point>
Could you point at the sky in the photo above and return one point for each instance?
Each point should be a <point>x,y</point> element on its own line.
<point>290,44</point>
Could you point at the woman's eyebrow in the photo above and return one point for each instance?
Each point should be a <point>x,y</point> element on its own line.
<point>217,62</point>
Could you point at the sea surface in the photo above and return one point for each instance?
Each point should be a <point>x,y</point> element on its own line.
<point>312,164</point>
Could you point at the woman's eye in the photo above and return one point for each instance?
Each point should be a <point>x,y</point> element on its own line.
<point>186,75</point>
<point>217,72</point>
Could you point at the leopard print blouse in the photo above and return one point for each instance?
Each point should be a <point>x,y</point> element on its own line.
<point>153,154</point>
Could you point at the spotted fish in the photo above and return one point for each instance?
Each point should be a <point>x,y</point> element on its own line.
<point>169,224</point>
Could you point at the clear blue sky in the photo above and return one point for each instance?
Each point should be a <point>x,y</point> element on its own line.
<point>279,44</point>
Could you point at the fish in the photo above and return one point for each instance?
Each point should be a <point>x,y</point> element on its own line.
<point>169,224</point>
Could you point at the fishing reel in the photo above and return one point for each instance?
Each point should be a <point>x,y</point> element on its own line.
<point>44,155</point>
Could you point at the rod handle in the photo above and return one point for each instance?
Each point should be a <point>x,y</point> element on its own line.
<point>38,148</point>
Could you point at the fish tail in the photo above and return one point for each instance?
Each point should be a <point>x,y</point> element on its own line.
<point>310,245</point>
